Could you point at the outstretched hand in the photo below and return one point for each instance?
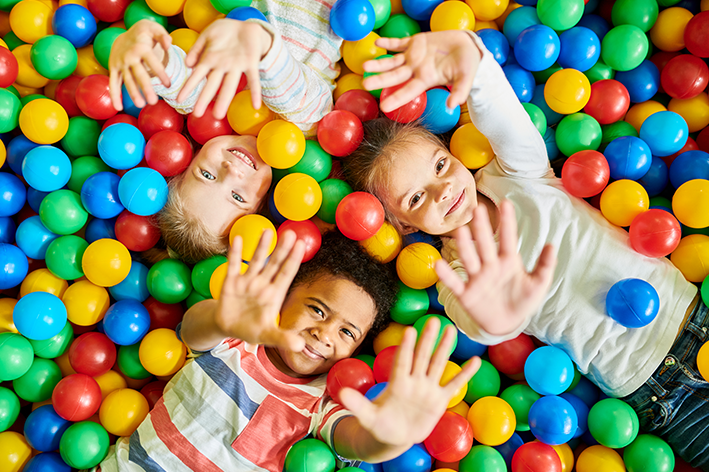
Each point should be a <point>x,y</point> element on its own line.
<point>499,294</point>
<point>426,60</point>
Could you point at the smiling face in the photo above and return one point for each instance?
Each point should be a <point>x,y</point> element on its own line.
<point>226,180</point>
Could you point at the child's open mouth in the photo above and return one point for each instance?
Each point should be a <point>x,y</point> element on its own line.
<point>243,156</point>
<point>313,353</point>
<point>457,203</point>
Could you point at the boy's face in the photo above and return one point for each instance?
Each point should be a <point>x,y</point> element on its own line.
<point>226,180</point>
<point>332,315</point>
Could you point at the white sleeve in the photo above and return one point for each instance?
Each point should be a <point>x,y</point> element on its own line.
<point>178,73</point>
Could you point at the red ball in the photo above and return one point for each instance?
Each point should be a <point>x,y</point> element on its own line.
<point>609,101</point>
<point>585,173</point>
<point>308,232</point>
<point>137,233</point>
<point>655,233</point>
<point>92,354</point>
<point>159,117</point>
<point>8,68</point>
<point>702,140</point>
<point>168,152</point>
<point>359,102</point>
<point>660,59</point>
<point>163,315</point>
<point>696,34</point>
<point>383,364</point>
<point>108,10</point>
<point>685,76</point>
<point>340,132</point>
<point>690,145</point>
<point>352,373</point>
<point>359,215</point>
<point>206,127</point>
<point>536,457</point>
<point>451,439</point>
<point>65,95</point>
<point>93,98</point>
<point>408,112</point>
<point>509,356</point>
<point>153,392</point>
<point>120,118</point>
<point>76,397</point>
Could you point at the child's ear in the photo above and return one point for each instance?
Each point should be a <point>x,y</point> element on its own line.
<point>406,229</point>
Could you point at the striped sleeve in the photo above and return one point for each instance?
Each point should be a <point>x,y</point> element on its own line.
<point>325,422</point>
<point>178,73</point>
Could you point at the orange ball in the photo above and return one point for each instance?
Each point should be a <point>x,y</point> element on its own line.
<point>161,352</point>
<point>471,147</point>
<point>166,7</point>
<point>216,281</point>
<point>695,111</point>
<point>15,451</point>
<point>242,116</point>
<point>452,369</point>
<point>109,382</point>
<point>567,91</point>
<point>480,25</point>
<point>7,324</point>
<point>280,144</point>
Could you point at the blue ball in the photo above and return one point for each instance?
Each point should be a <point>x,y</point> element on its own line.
<point>581,412</point>
<point>121,146</point>
<point>508,448</point>
<point>537,48</point>
<point>496,43</point>
<point>75,23</point>
<point>420,10</point>
<point>467,348</point>
<point>7,230</point>
<point>688,166</point>
<point>633,303</point>
<point>13,194</point>
<point>580,48</point>
<point>642,82</point>
<point>656,178</point>
<point>126,322</point>
<point>14,266</point>
<point>437,117</point>
<point>44,428</point>
<point>246,13</point>
<point>539,100</point>
<point>143,191</point>
<point>17,149</point>
<point>35,197</point>
<point>549,370</point>
<point>100,229</point>
<point>375,390</point>
<point>47,462</point>
<point>275,215</point>
<point>370,467</point>
<point>553,420</point>
<point>34,238</point>
<point>416,459</point>
<point>596,24</point>
<point>586,391</point>
<point>433,303</point>
<point>550,143</point>
<point>352,20</point>
<point>46,168</point>
<point>134,286</point>
<point>99,195</point>
<point>521,80</point>
<point>129,106</point>
<point>518,20</point>
<point>528,2</point>
<point>39,316</point>
<point>628,158</point>
<point>665,132</point>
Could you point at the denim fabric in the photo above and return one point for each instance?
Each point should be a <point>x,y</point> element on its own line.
<point>674,402</point>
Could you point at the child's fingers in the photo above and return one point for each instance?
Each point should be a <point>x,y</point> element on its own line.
<point>286,242</point>
<point>384,64</point>
<point>196,51</point>
<point>258,262</point>
<point>466,250</point>
<point>254,81</point>
<point>357,404</point>
<point>165,41</point>
<point>229,86</point>
<point>439,360</point>
<point>393,44</point>
<point>449,278</point>
<point>211,87</point>
<point>404,95</point>
<point>114,89</point>
<point>283,339</point>
<point>132,88</point>
<point>157,68</point>
<point>460,90</point>
<point>424,348</point>
<point>146,86</point>
<point>284,277</point>
<point>508,230</point>
<point>403,360</point>
<point>483,235</point>
<point>463,377</point>
<point>388,79</point>
<point>233,268</point>
<point>198,73</point>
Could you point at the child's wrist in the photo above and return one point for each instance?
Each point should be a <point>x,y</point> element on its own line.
<point>267,41</point>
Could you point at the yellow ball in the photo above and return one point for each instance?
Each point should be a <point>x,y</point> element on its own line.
<point>110,382</point>
<point>415,265</point>
<point>705,5</point>
<point>392,335</point>
<point>297,197</point>
<point>166,7</point>
<point>122,411</point>
<point>106,262</point>
<point>567,91</point>
<point>346,83</point>
<point>75,2</point>
<point>7,324</point>
<point>44,121</point>
<point>27,75</point>
<point>242,116</point>
<point>623,200</point>
<point>695,111</point>
<point>480,25</point>
<point>488,10</point>
<point>566,455</point>
<point>15,452</point>
<point>42,280</point>
<point>703,361</point>
<point>280,144</point>
<point>599,459</point>
<point>87,63</point>
<point>385,245</point>
<point>199,14</point>
<point>453,15</point>
<point>668,31</point>
<point>493,420</point>
<point>452,369</point>
<point>692,257</point>
<point>184,38</point>
<point>31,20</point>
<point>690,203</point>
<point>461,408</point>
<point>216,281</point>
<point>50,90</point>
<point>64,364</point>
<point>161,352</point>
<point>85,303</point>
<point>250,228</point>
<point>3,153</point>
<point>471,147</point>
<point>638,113</point>
<point>356,53</point>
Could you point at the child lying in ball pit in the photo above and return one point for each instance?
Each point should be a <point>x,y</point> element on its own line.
<point>425,188</point>
<point>290,61</point>
<point>256,388</point>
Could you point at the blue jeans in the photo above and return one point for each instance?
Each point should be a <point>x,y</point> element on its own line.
<point>674,402</point>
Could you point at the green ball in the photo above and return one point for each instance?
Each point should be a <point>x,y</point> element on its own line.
<point>624,47</point>
<point>129,362</point>
<point>333,191</point>
<point>445,322</point>
<point>12,40</point>
<point>225,6</point>
<point>10,107</point>
<point>14,91</point>
<point>640,13</point>
<point>56,345</point>
<point>81,139</point>
<point>368,359</point>
<point>310,455</point>
<point>541,77</point>
<point>194,298</point>
<point>6,5</point>
<point>482,458</point>
<point>38,383</point>
<point>139,10</point>
<point>668,3</point>
<point>54,57</point>
<point>578,132</point>
<point>169,281</point>
<point>9,408</point>
<point>661,201</point>
<point>315,162</point>
<point>62,212</point>
<point>575,381</point>
<point>30,98</point>
<point>16,356</point>
<point>537,116</point>
<point>202,273</point>
<point>410,305</point>
<point>377,92</point>
<point>485,383</point>
<point>705,284</point>
<point>648,453</point>
<point>599,71</point>
<point>382,12</point>
<point>613,423</point>
<point>521,398</point>
<point>560,15</point>
<point>399,26</point>
<point>616,130</point>
<point>84,445</point>
<point>64,257</point>
<point>104,42</point>
<point>83,168</point>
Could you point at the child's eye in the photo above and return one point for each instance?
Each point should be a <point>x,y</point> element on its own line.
<point>415,199</point>
<point>207,175</point>
<point>237,197</point>
<point>440,164</point>
<point>317,311</point>
<point>348,333</point>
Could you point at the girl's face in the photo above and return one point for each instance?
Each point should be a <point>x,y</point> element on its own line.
<point>428,189</point>
<point>226,180</point>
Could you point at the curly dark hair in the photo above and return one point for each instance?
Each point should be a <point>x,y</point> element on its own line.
<point>342,257</point>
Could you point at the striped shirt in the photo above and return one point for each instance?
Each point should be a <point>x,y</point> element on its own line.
<point>229,409</point>
<point>298,73</point>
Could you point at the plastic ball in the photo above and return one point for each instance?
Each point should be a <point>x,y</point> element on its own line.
<point>99,195</point>
<point>553,420</point>
<point>39,315</point>
<point>76,397</point>
<point>93,99</point>
<point>521,80</point>
<point>351,373</point>
<point>14,450</point>
<point>340,132</point>
<point>162,353</point>
<point>168,152</point>
<point>9,408</point>
<point>409,111</point>
<point>44,121</point>
<point>549,371</point>
<point>628,158</point>
<point>560,14</point>
<point>143,191</point>
<point>75,23</point>
<point>685,76</point>
<point>359,102</point>
<point>243,118</point>
<point>485,383</point>
<point>315,162</point>
<point>668,31</point>
<point>54,57</point>
<point>307,232</point>
<point>251,229</point>
<point>86,303</point>
<point>416,459</point>
<point>437,117</point>
<point>471,147</point>
<point>169,281</point>
<point>695,111</point>
<point>10,112</point>
<point>134,286</point>
<point>703,357</point>
<point>84,445</point>
<point>30,20</point>
<point>297,197</point>
<point>44,428</point>
<point>518,20</point>
<point>585,173</point>
<point>695,34</point>
<point>46,461</point>
<point>613,423</point>
<point>56,345</point>
<point>129,362</point>
<point>451,370</point>
<point>92,354</point>
<point>106,262</point>
<point>656,179</point>
<point>137,233</point>
<point>622,201</point>
<point>641,13</point>
<point>46,168</point>
<point>359,215</point>
<point>122,411</point>
<point>692,257</point>
<point>493,420</point>
<point>578,132</point>
<point>8,68</point>
<point>159,117</point>
<point>451,439</point>
<point>42,280</point>
<point>100,229</point>
<point>665,132</point>
<point>580,48</point>
<point>649,453</point>
<point>281,144</point>
<point>655,233</point>
<point>352,20</point>
<point>487,10</point>
<point>537,457</point>
<point>17,356</point>
<point>482,458</point>
<point>609,101</point>
<point>206,127</point>
<point>537,48</point>
<point>121,146</point>
<point>384,245</point>
<point>642,82</point>
<point>245,13</point>
<point>333,191</point>
<point>640,112</point>
<point>567,91</point>
<point>496,43</point>
<point>452,16</point>
<point>82,137</point>
<point>13,196</point>
<point>509,357</point>
<point>383,364</point>
<point>624,47</point>
<point>309,455</point>
<point>33,238</point>
<point>415,265</point>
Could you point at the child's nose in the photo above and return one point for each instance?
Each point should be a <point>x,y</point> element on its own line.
<point>444,192</point>
<point>322,334</point>
<point>232,169</point>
